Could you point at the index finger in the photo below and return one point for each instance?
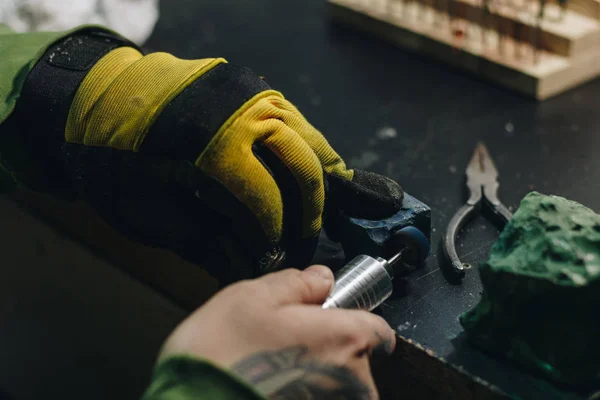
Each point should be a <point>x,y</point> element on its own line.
<point>371,332</point>
<point>290,286</point>
<point>363,332</point>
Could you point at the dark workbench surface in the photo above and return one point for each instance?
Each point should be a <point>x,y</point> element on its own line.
<point>351,86</point>
<point>71,321</point>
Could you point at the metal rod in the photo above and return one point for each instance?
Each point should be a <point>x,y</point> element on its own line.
<point>538,29</point>
<point>397,257</point>
<point>501,38</point>
<point>450,9</point>
<point>517,36</point>
<point>484,21</point>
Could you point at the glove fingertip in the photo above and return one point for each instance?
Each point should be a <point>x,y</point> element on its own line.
<point>385,189</point>
<point>368,195</point>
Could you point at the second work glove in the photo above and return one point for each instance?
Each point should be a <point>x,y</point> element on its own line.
<point>199,157</point>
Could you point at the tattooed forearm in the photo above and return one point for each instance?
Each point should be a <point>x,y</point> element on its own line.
<point>288,374</point>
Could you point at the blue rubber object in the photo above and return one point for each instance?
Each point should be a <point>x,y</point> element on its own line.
<point>377,237</point>
<point>419,244</point>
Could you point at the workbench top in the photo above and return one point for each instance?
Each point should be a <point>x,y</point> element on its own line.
<point>418,122</point>
<point>383,110</point>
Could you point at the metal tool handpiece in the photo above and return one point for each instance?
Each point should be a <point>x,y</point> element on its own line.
<point>366,282</point>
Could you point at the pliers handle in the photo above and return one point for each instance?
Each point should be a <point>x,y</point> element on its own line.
<point>457,222</point>
<point>483,186</point>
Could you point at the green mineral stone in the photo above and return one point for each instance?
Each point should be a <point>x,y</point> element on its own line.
<point>540,305</point>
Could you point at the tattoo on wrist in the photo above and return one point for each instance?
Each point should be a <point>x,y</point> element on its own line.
<point>290,374</point>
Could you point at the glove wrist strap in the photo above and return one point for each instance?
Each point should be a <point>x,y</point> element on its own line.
<point>40,116</point>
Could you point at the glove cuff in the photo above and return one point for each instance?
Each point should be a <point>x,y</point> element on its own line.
<point>40,116</point>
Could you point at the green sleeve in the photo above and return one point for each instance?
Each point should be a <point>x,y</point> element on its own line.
<point>18,54</point>
<point>186,378</point>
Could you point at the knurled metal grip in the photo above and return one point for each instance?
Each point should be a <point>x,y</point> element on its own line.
<point>362,284</point>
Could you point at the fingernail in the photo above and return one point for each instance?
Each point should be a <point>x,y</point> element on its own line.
<point>381,351</point>
<point>320,271</point>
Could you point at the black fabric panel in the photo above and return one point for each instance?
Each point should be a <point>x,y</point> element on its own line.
<point>161,203</point>
<point>368,195</point>
<point>41,113</point>
<point>53,82</point>
<point>188,123</point>
<point>214,196</point>
<point>82,50</point>
<point>299,250</point>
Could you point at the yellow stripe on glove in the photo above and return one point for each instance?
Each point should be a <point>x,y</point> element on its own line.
<point>270,119</point>
<point>329,159</point>
<point>124,93</point>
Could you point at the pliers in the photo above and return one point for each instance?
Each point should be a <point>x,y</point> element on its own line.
<point>483,185</point>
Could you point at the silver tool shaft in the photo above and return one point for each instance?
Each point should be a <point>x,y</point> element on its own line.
<point>364,283</point>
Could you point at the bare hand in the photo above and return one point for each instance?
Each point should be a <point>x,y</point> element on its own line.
<point>273,332</point>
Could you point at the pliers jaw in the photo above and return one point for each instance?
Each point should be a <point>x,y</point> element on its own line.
<point>482,181</point>
<point>482,176</point>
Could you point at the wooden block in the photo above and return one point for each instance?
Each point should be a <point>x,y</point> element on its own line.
<point>590,8</point>
<point>571,36</point>
<point>511,64</point>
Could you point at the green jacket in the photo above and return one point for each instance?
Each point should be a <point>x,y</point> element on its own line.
<point>182,378</point>
<point>175,378</point>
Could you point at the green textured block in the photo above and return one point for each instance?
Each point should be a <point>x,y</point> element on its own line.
<point>541,300</point>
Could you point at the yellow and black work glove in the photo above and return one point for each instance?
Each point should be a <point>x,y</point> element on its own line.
<point>199,157</point>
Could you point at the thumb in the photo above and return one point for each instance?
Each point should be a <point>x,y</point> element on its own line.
<point>367,195</point>
<point>292,286</point>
